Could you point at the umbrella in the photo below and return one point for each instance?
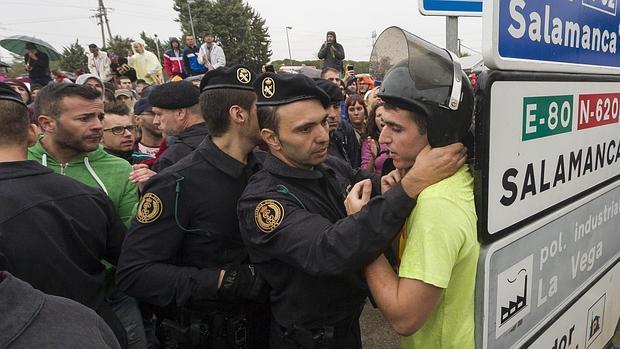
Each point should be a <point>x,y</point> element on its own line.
<point>17,44</point>
<point>4,65</point>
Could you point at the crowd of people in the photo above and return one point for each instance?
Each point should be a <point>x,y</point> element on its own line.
<point>228,208</point>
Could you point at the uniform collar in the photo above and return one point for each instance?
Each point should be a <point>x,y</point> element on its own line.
<point>224,162</point>
<point>277,167</point>
<point>18,169</point>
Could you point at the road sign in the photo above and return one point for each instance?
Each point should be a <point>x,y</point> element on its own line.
<point>590,322</point>
<point>527,278</point>
<point>541,143</point>
<point>470,8</point>
<point>556,35</point>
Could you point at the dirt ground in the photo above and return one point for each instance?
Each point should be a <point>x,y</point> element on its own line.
<point>376,332</point>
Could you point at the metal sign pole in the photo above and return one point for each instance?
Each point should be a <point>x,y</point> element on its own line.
<point>452,34</point>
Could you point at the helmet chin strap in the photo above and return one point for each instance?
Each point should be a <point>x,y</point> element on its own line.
<point>455,96</point>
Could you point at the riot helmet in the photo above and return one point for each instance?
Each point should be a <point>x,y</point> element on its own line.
<point>422,77</point>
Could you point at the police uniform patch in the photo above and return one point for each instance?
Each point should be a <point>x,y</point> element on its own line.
<point>244,76</point>
<point>268,87</point>
<point>149,209</point>
<point>268,215</point>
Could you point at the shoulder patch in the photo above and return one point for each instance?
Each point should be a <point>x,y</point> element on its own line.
<point>149,209</point>
<point>268,215</point>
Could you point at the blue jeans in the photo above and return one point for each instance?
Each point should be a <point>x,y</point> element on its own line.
<point>127,311</point>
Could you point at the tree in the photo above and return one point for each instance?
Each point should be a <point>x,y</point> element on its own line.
<point>239,29</point>
<point>73,57</point>
<point>118,45</point>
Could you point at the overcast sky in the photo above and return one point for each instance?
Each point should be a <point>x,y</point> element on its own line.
<point>60,22</point>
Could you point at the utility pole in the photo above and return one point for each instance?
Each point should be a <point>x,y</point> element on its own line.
<point>101,14</point>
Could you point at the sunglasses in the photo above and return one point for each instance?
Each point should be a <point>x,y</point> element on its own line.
<point>119,130</point>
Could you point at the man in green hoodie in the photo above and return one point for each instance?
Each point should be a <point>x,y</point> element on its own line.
<point>70,117</point>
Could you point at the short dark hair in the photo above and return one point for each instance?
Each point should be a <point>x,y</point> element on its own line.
<point>141,81</point>
<point>329,69</point>
<point>92,46</point>
<point>117,109</point>
<point>124,77</point>
<point>215,104</point>
<point>371,127</point>
<point>14,123</point>
<point>268,117</point>
<point>418,116</point>
<point>50,97</point>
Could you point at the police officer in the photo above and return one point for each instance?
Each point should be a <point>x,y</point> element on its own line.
<point>184,249</point>
<point>307,243</point>
<point>177,114</point>
<point>54,231</point>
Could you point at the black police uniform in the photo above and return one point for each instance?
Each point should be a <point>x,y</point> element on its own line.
<point>186,230</point>
<point>54,231</point>
<point>182,145</point>
<point>311,253</point>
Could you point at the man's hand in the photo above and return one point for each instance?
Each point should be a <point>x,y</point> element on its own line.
<point>390,180</point>
<point>241,282</point>
<point>140,175</point>
<point>432,165</point>
<point>358,196</point>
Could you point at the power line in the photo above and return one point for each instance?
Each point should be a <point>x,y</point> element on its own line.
<point>101,14</point>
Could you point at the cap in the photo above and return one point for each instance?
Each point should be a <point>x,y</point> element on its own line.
<point>277,89</point>
<point>334,92</point>
<point>236,77</point>
<point>174,95</point>
<point>141,106</point>
<point>7,94</point>
<point>123,92</point>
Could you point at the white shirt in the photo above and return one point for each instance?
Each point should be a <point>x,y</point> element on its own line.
<point>100,65</point>
<point>212,58</point>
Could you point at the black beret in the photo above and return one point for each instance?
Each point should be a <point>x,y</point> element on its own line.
<point>174,95</point>
<point>237,77</point>
<point>333,91</point>
<point>277,89</point>
<point>142,105</point>
<point>7,94</point>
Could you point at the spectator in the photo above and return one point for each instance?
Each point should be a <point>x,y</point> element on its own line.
<point>60,77</point>
<point>333,75</point>
<point>374,154</point>
<point>356,116</point>
<point>122,96</point>
<point>372,98</point>
<point>211,55</point>
<point>98,63</point>
<point>190,57</point>
<point>177,113</point>
<point>124,82</point>
<point>37,64</point>
<point>21,88</point>
<point>120,67</point>
<point>91,81</point>
<point>331,52</point>
<point>364,84</point>
<point>140,86</point>
<point>351,86</point>
<point>173,60</point>
<point>145,63</point>
<point>55,230</point>
<point>119,134</point>
<point>34,90</point>
<point>340,133</point>
<point>150,135</point>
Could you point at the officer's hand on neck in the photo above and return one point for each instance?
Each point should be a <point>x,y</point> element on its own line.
<point>432,165</point>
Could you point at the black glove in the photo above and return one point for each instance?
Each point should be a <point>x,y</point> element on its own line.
<point>241,282</point>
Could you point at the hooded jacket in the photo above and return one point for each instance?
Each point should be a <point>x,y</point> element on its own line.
<point>332,55</point>
<point>173,60</point>
<point>97,169</point>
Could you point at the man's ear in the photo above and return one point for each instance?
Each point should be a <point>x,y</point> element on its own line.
<point>33,132</point>
<point>237,115</point>
<point>47,123</point>
<point>271,138</point>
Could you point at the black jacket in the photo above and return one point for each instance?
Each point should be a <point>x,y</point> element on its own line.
<point>343,144</point>
<point>332,55</point>
<point>310,252</point>
<point>40,66</point>
<point>176,258</point>
<point>182,145</point>
<point>54,232</point>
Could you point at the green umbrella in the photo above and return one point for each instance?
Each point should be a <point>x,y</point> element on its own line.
<point>17,44</point>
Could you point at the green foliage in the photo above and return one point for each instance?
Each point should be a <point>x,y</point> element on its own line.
<point>73,57</point>
<point>239,29</point>
<point>151,45</point>
<point>118,45</point>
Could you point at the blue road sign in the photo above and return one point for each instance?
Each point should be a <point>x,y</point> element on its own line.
<point>450,7</point>
<point>560,35</point>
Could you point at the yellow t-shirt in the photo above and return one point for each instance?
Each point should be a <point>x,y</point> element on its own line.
<point>442,250</point>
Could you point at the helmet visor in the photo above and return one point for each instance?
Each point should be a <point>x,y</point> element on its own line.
<point>431,68</point>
